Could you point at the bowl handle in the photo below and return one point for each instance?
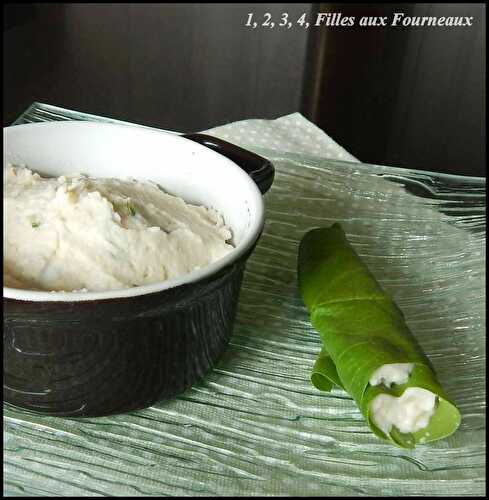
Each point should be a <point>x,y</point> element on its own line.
<point>258,168</point>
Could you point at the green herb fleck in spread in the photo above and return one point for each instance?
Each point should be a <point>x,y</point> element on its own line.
<point>35,224</point>
<point>126,207</point>
<point>132,210</point>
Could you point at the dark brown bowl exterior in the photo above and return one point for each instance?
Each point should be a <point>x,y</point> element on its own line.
<point>101,357</point>
<point>96,358</point>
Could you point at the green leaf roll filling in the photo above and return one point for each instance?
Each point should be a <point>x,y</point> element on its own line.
<point>368,349</point>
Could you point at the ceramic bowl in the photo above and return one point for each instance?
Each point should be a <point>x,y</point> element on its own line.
<point>98,353</point>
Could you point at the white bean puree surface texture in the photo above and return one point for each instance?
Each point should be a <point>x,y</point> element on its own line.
<point>75,233</point>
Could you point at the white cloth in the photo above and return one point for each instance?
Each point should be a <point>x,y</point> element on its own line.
<point>291,133</point>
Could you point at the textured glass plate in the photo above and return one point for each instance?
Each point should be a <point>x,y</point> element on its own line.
<point>255,425</point>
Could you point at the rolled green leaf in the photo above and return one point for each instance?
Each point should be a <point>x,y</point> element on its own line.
<point>362,329</point>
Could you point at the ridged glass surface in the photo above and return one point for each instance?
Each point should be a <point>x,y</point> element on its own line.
<point>255,425</point>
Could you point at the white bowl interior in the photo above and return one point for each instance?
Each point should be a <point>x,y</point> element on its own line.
<point>180,166</point>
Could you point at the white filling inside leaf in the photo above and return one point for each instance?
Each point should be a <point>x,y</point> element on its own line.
<point>394,373</point>
<point>409,413</point>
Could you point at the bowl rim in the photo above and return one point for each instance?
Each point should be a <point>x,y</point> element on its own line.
<point>247,242</point>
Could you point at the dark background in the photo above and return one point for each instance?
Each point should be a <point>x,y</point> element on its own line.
<point>410,97</point>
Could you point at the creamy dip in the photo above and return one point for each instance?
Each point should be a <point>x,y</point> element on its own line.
<point>394,373</point>
<point>409,412</point>
<point>80,233</point>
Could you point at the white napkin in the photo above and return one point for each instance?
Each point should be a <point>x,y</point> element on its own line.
<point>292,133</point>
